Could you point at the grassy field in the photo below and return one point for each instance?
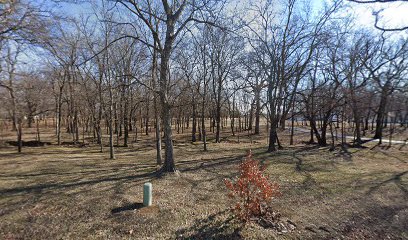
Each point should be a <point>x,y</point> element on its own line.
<point>69,192</point>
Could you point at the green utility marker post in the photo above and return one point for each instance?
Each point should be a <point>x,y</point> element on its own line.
<point>147,194</point>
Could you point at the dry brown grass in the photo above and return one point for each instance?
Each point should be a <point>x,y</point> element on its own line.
<point>74,193</point>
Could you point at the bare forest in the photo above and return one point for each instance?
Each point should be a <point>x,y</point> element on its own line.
<point>99,97</point>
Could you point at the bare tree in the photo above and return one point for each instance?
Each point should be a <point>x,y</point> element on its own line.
<point>284,51</point>
<point>8,81</point>
<point>387,67</point>
<point>223,52</point>
<point>377,14</point>
<point>173,18</point>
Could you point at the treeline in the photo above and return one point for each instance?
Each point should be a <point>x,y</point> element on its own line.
<point>200,65</point>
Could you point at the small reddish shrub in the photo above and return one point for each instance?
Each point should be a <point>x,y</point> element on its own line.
<point>252,191</point>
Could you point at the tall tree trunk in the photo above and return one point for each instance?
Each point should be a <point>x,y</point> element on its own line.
<point>272,138</point>
<point>311,135</point>
<point>19,135</point>
<point>357,121</point>
<point>147,116</point>
<point>323,139</point>
<point>194,128</point>
<point>257,111</point>
<point>169,165</point>
<point>292,129</point>
<point>218,121</point>
<point>156,109</point>
<point>272,119</point>
<point>38,130</point>
<point>30,119</point>
<point>110,128</point>
<point>233,116</point>
<point>204,133</point>
<point>59,110</point>
<point>332,136</point>
<point>283,120</point>
<point>381,114</point>
<point>125,124</point>
<point>158,139</point>
<point>251,116</point>
<point>76,126</point>
<point>199,132</point>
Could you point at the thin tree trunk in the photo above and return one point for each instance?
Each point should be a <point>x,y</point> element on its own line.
<point>381,114</point>
<point>257,111</point>
<point>332,137</point>
<point>147,116</point>
<point>110,129</point>
<point>38,130</point>
<point>194,128</point>
<point>292,129</point>
<point>59,117</point>
<point>19,135</point>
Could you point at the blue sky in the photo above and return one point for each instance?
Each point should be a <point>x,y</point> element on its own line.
<point>394,14</point>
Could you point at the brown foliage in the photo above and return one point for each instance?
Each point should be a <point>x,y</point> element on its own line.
<point>252,191</point>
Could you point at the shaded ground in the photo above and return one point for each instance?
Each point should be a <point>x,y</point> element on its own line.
<point>72,192</point>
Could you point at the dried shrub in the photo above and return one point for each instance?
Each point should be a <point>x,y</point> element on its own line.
<point>253,192</point>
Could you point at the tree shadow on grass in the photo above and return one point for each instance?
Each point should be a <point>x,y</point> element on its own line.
<point>128,207</point>
<point>39,188</point>
<point>345,153</point>
<point>376,221</point>
<point>307,165</point>
<point>29,143</point>
<point>390,155</point>
<point>404,145</point>
<point>217,226</point>
<point>397,180</point>
<point>185,166</point>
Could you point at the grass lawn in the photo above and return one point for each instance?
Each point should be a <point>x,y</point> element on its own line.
<point>68,192</point>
